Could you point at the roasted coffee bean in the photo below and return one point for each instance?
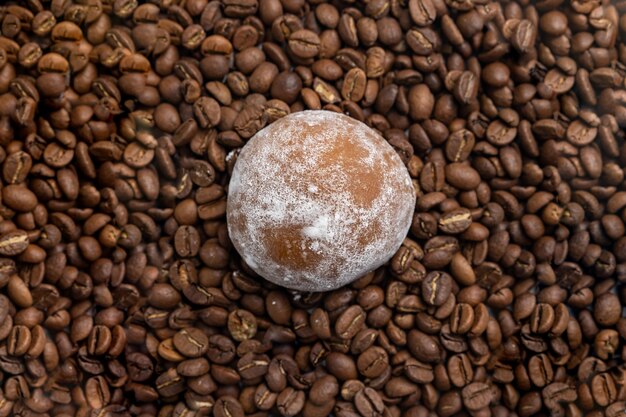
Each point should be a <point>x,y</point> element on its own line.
<point>290,402</point>
<point>373,362</point>
<point>187,241</point>
<point>286,87</point>
<point>369,403</point>
<point>324,390</point>
<point>13,242</point>
<point>252,366</point>
<point>455,221</point>
<point>350,322</point>
<point>462,319</point>
<point>341,366</point>
<point>19,340</point>
<point>436,288</point>
<point>228,406</point>
<point>421,102</point>
<point>606,307</point>
<point>424,347</point>
<point>97,392</point>
<point>354,84</point>
<point>477,395</point>
<point>264,399</point>
<point>423,12</point>
<point>460,370</point>
<point>207,112</point>
<point>556,393</point>
<point>304,43</point>
<point>250,120</point>
<point>18,292</point>
<point>99,340</point>
<point>191,342</point>
<point>242,325</point>
<point>540,370</point>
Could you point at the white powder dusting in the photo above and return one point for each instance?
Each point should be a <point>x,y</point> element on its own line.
<point>230,155</point>
<point>320,230</point>
<point>315,226</point>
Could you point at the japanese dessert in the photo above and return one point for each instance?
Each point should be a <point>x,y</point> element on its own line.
<point>318,199</point>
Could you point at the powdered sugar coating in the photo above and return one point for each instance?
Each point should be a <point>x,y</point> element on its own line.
<point>317,200</point>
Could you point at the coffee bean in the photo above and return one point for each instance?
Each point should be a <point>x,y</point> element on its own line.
<point>19,341</point>
<point>542,318</point>
<point>99,340</point>
<point>477,395</point>
<point>13,243</point>
<point>462,318</point>
<point>606,307</point>
<point>97,392</point>
<point>242,325</point>
<point>191,342</point>
<point>290,402</point>
<point>556,393</point>
<point>421,102</point>
<point>304,43</point>
<point>354,85</point>
<point>16,167</point>
<point>423,12</point>
<point>455,221</point>
<point>320,324</point>
<point>615,409</point>
<point>207,112</point>
<point>323,390</point>
<point>264,399</point>
<point>341,366</point>
<point>369,403</point>
<point>523,35</point>
<point>373,362</point>
<point>350,322</point>
<point>347,30</point>
<point>540,370</point>
<point>18,292</point>
<point>252,366</point>
<point>140,367</point>
<point>436,288</point>
<point>228,406</point>
<point>424,347</point>
<point>279,307</point>
<point>363,340</point>
<point>187,241</point>
<point>250,120</point>
<point>286,87</point>
<point>460,370</point>
<point>553,23</point>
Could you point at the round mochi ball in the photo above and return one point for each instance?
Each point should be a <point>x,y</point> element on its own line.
<point>317,200</point>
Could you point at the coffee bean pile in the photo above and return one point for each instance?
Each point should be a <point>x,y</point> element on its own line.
<point>121,295</point>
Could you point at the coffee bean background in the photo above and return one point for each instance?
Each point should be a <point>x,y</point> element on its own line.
<point>121,294</point>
